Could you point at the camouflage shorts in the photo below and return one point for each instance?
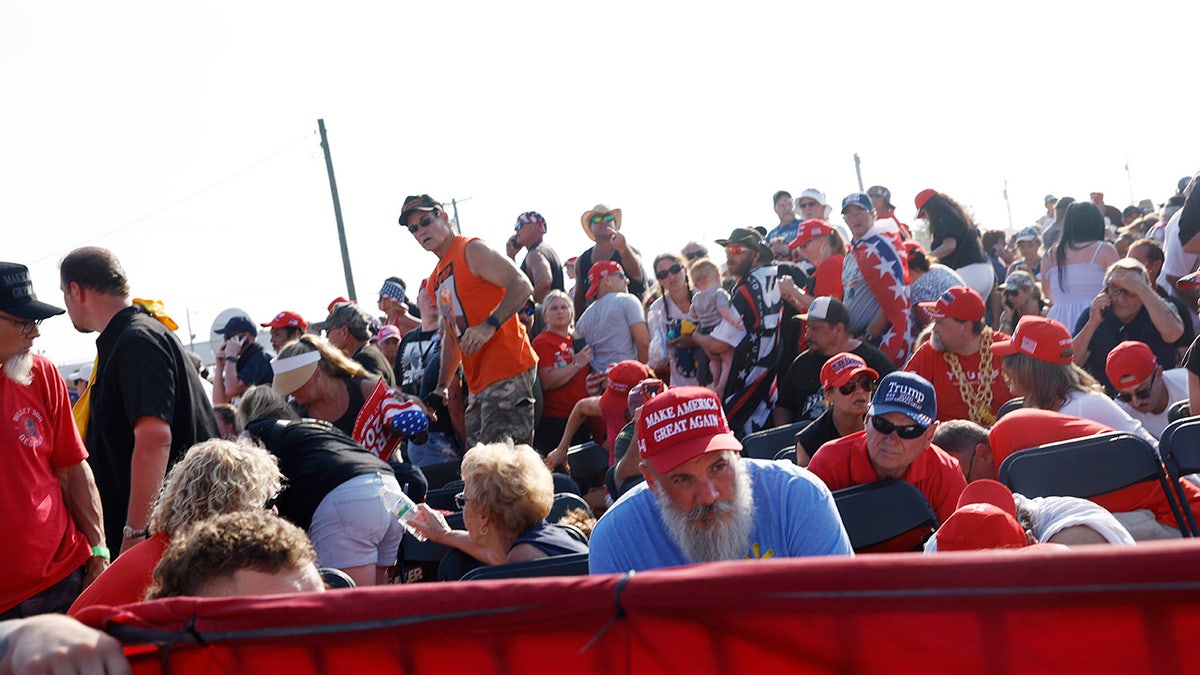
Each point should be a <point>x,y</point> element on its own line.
<point>504,409</point>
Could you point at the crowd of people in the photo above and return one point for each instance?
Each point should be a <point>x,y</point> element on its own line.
<point>926,358</point>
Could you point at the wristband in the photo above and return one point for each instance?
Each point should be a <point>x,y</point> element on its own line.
<point>101,552</point>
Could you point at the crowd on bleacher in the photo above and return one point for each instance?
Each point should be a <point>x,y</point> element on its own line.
<point>700,406</point>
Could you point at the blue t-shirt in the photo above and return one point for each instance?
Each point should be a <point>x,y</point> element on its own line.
<point>794,515</point>
<point>788,232</point>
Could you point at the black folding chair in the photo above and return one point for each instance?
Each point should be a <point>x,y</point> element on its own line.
<point>439,474</point>
<point>767,443</point>
<point>443,497</point>
<point>1089,466</point>
<point>571,565</point>
<point>1179,410</point>
<point>417,561</point>
<point>1179,447</point>
<point>876,512</point>
<point>563,502</point>
<point>587,463</point>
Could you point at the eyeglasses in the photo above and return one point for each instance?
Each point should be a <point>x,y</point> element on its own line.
<point>733,249</point>
<point>695,255</point>
<point>1012,292</point>
<point>808,205</point>
<point>673,269</point>
<point>885,427</point>
<point>1143,393</point>
<point>606,218</point>
<point>868,385</point>
<point>1116,292</point>
<point>460,500</point>
<point>423,223</point>
<point>27,327</point>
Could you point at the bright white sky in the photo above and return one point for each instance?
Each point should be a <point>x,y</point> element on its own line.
<point>184,139</point>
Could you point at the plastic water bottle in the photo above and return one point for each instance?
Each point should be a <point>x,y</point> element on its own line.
<point>402,508</point>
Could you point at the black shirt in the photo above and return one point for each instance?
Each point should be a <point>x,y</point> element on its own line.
<point>376,363</point>
<point>315,458</point>
<point>967,248</point>
<point>1112,332</point>
<point>800,390</point>
<point>141,371</point>
<point>636,287</point>
<point>819,432</point>
<point>556,268</point>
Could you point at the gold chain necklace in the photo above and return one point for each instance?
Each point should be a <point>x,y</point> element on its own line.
<point>979,398</point>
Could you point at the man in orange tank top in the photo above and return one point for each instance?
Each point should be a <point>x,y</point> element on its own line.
<point>478,291</point>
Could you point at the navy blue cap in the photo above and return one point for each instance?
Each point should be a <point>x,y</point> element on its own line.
<point>238,324</point>
<point>905,393</point>
<point>857,199</point>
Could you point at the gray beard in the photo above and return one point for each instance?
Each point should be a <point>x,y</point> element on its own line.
<point>728,540</point>
<point>19,368</point>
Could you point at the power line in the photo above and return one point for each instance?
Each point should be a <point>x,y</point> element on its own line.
<point>188,198</point>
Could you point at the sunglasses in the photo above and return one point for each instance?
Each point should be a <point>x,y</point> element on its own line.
<point>423,223</point>
<point>868,385</point>
<point>1011,292</point>
<point>460,500</point>
<point>673,269</point>
<point>735,250</point>
<point>885,427</point>
<point>606,218</point>
<point>808,205</point>
<point>695,255</point>
<point>1143,393</point>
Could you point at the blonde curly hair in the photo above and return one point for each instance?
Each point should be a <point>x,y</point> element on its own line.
<point>215,477</point>
<point>509,482</point>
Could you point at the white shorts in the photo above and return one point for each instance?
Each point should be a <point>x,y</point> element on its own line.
<point>352,527</point>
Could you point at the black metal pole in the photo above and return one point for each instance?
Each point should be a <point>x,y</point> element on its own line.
<point>337,213</point>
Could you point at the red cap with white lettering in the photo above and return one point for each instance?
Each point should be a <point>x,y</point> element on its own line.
<point>681,424</point>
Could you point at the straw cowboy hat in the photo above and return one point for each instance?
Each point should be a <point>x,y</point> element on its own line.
<point>599,210</point>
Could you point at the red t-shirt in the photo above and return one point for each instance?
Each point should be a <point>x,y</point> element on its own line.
<point>126,579</point>
<point>37,438</point>
<point>465,300</point>
<point>1031,427</point>
<point>558,351</point>
<point>844,463</point>
<point>931,364</point>
<point>828,277</point>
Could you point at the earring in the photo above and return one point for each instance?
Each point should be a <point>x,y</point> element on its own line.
<point>484,532</point>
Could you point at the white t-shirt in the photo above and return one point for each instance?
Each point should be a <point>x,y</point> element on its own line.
<point>1095,406</point>
<point>1176,381</point>
<point>1178,262</point>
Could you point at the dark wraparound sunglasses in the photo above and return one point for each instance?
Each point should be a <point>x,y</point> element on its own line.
<point>885,427</point>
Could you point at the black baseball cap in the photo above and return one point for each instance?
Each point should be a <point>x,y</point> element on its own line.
<point>17,296</point>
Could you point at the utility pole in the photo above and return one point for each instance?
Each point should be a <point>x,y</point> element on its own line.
<point>454,207</point>
<point>858,172</point>
<point>337,213</point>
<point>1008,205</point>
<point>1129,178</point>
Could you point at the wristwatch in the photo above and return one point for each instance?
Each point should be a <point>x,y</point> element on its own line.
<point>493,321</point>
<point>131,533</point>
